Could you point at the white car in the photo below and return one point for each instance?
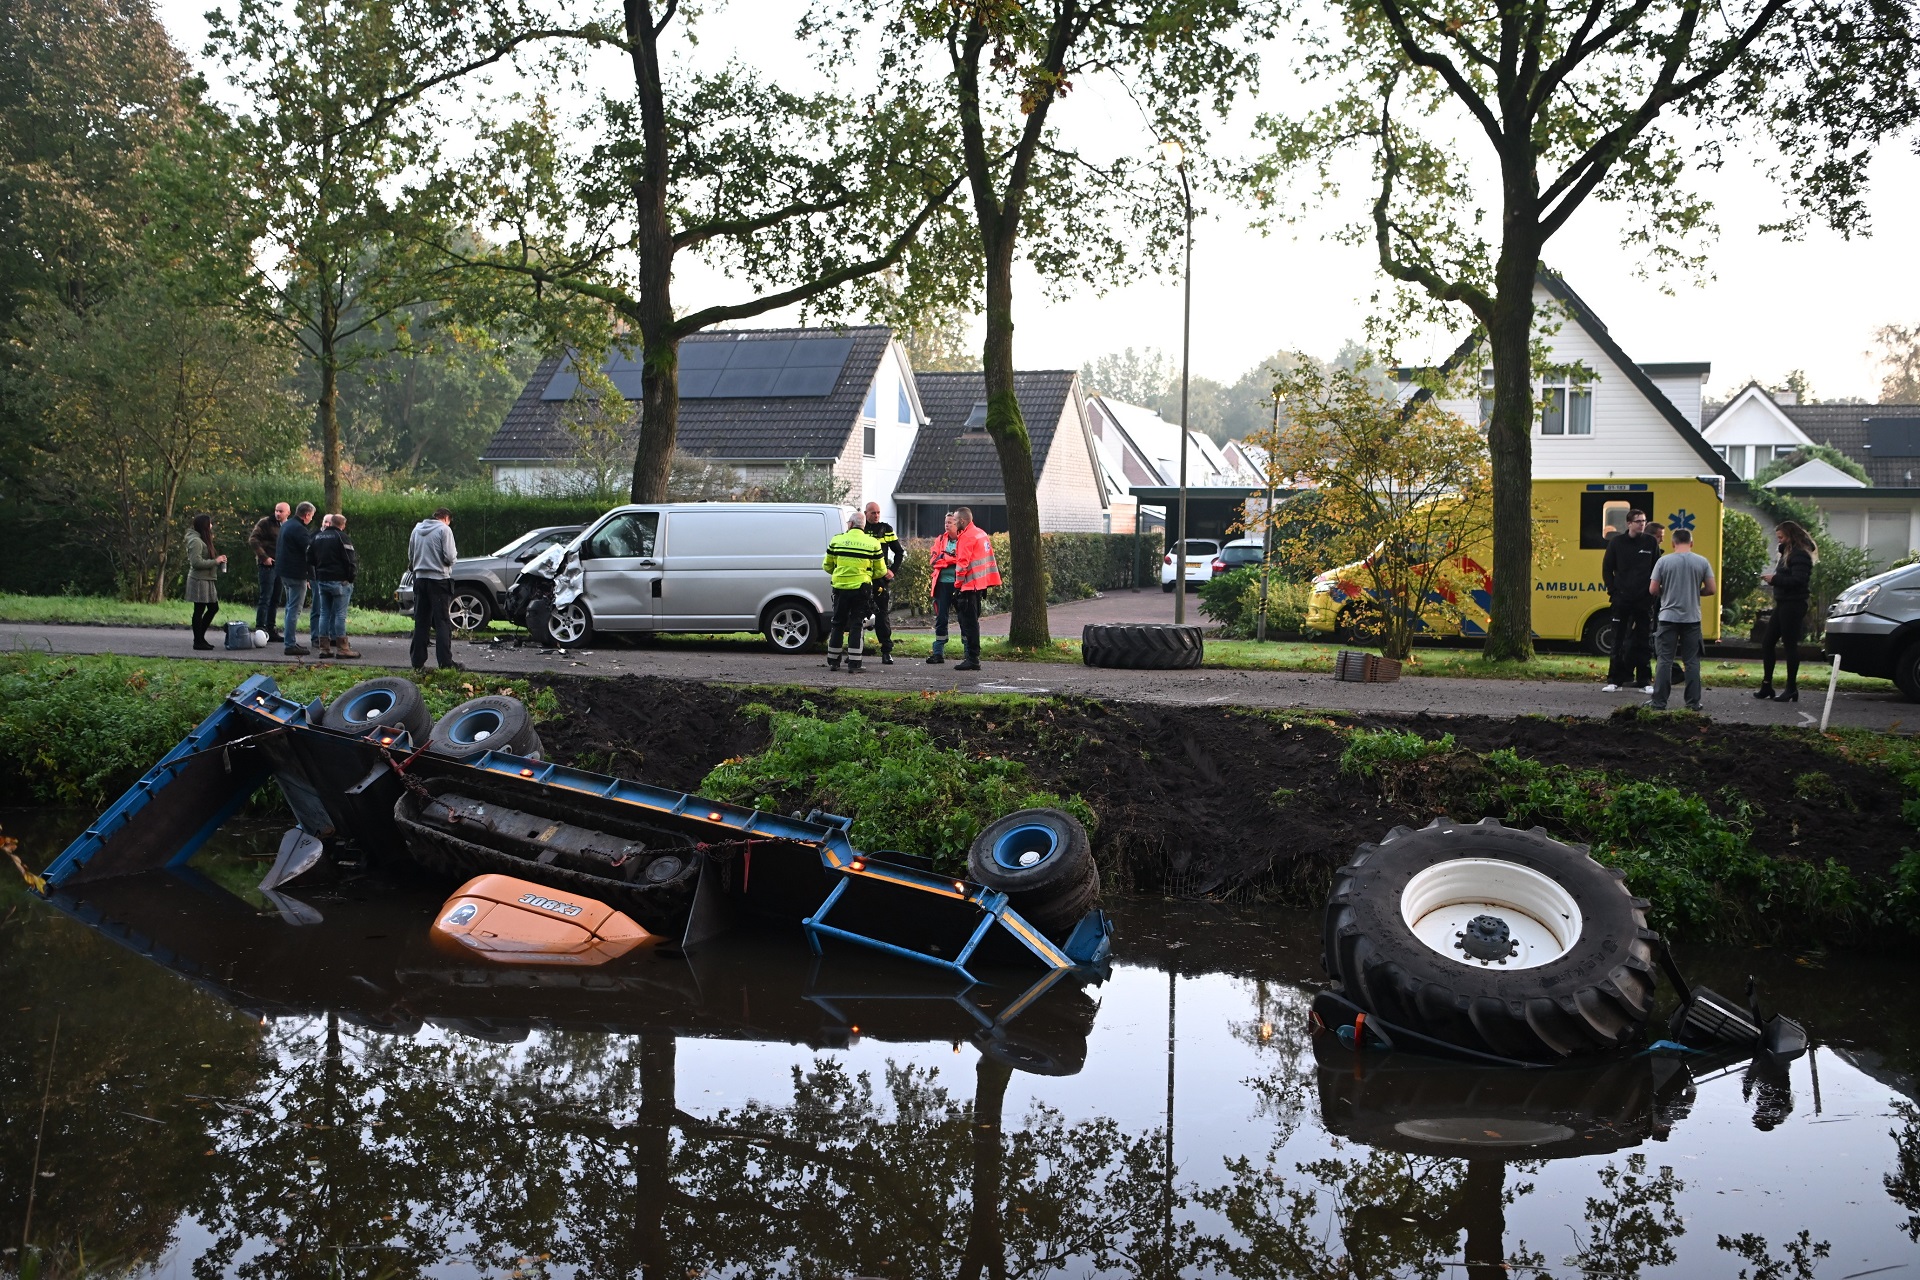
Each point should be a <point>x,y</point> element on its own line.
<point>1203,561</point>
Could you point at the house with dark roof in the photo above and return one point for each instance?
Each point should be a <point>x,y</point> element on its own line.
<point>1610,416</point>
<point>954,463</point>
<point>1882,514</point>
<point>752,400</point>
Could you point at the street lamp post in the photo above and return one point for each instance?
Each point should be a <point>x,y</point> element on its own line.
<point>1178,159</point>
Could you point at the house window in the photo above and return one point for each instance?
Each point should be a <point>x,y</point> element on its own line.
<point>905,414</point>
<point>869,445</point>
<point>1736,455</point>
<point>1486,398</point>
<point>871,409</point>
<point>1566,408</point>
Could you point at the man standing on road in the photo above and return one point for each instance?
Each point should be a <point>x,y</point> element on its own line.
<point>430,555</point>
<point>1679,579</point>
<point>857,566</point>
<point>895,555</point>
<point>335,565</point>
<point>974,570</point>
<point>265,541</point>
<point>291,552</point>
<point>1625,570</point>
<point>941,558</point>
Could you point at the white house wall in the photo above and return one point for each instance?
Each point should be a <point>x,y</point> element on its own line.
<point>893,436</point>
<point>1068,490</point>
<point>1684,390</point>
<point>1751,423</point>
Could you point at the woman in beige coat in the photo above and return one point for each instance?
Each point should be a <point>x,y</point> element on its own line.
<point>203,577</point>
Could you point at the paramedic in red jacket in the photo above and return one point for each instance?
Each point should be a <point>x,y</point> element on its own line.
<point>974,571</point>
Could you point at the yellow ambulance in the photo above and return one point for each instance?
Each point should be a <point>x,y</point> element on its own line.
<point>1576,517</point>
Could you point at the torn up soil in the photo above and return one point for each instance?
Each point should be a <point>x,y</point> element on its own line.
<point>1232,802</point>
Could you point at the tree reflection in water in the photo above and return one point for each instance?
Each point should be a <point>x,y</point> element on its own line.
<point>374,1153</point>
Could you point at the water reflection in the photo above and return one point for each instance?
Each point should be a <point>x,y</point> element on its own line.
<point>370,1106</point>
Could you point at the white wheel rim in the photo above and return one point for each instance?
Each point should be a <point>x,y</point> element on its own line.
<point>566,624</point>
<point>1541,917</point>
<point>466,612</point>
<point>790,628</point>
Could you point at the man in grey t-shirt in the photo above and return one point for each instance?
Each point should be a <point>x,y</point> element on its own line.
<point>1680,578</point>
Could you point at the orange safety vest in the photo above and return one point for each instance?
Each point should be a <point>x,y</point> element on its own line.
<point>974,568</point>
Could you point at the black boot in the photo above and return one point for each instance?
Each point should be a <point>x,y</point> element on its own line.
<point>886,657</point>
<point>1789,694</point>
<point>1766,688</point>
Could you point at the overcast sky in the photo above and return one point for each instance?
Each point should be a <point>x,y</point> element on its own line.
<point>1768,306</point>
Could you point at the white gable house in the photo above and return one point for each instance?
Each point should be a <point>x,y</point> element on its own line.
<point>1614,417</point>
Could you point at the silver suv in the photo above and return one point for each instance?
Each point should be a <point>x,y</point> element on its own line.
<point>480,583</point>
<point>1874,628</point>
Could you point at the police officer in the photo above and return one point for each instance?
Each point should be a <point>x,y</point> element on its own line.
<point>855,563</point>
<point>895,554</point>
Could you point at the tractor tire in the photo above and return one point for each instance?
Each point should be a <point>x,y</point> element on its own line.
<point>1141,646</point>
<point>1043,861</point>
<point>1497,940</point>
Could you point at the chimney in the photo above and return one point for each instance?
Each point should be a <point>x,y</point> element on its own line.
<point>1784,396</point>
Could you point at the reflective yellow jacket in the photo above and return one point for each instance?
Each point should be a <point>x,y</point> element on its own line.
<point>854,559</point>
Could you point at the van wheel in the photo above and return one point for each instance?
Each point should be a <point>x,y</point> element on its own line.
<point>791,626</point>
<point>470,609</point>
<point>571,625</point>
<point>1597,635</point>
<point>1906,672</point>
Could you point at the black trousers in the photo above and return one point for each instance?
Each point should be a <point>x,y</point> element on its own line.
<point>883,617</point>
<point>432,598</point>
<point>266,615</point>
<point>1632,661</point>
<point>848,635</point>
<point>203,618</point>
<point>1789,626</point>
<point>966,610</point>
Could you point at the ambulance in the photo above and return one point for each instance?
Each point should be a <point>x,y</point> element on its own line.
<point>1575,519</point>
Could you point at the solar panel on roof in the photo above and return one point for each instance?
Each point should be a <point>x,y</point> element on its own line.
<point>1894,437</point>
<point>718,369</point>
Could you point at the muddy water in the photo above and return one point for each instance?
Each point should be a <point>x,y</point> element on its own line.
<point>232,1093</point>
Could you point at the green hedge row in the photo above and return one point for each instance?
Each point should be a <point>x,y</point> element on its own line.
<point>1078,565</point>
<point>483,521</point>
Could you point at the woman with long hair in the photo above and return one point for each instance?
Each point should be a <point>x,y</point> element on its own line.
<point>203,580</point>
<point>1791,578</point>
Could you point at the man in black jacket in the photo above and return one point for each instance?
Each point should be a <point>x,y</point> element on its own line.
<point>895,555</point>
<point>295,573</point>
<point>1625,570</point>
<point>335,564</point>
<point>265,541</point>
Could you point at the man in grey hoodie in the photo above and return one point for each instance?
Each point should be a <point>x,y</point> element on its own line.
<point>430,554</point>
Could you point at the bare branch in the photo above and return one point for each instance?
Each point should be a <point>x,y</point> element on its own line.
<point>691,236</point>
<point>1445,290</point>
<point>1444,67</point>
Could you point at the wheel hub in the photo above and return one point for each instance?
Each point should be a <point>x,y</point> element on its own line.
<point>1487,938</point>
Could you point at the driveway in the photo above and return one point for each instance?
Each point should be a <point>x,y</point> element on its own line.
<point>746,664</point>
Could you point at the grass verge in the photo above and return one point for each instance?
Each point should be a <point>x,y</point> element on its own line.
<point>103,611</point>
<point>77,729</point>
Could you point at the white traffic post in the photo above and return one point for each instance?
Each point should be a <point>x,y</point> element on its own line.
<point>1833,682</point>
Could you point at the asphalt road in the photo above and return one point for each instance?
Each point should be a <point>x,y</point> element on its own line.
<point>743,664</point>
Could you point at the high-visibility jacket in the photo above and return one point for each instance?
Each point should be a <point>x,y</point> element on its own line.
<point>939,559</point>
<point>974,568</point>
<point>853,560</point>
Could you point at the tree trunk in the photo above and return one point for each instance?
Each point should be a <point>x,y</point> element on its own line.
<point>1028,570</point>
<point>653,246</point>
<point>328,410</point>
<point>1510,450</point>
<point>653,1154</point>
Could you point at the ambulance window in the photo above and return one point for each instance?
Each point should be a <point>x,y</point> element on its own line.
<point>1604,514</point>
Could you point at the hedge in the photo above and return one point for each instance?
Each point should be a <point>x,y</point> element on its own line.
<point>1078,565</point>
<point>69,562</point>
<point>483,520</point>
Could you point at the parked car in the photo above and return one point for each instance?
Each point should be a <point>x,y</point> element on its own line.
<point>480,583</point>
<point>1874,628</point>
<point>711,566</point>
<point>1241,552</point>
<point>1203,561</point>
